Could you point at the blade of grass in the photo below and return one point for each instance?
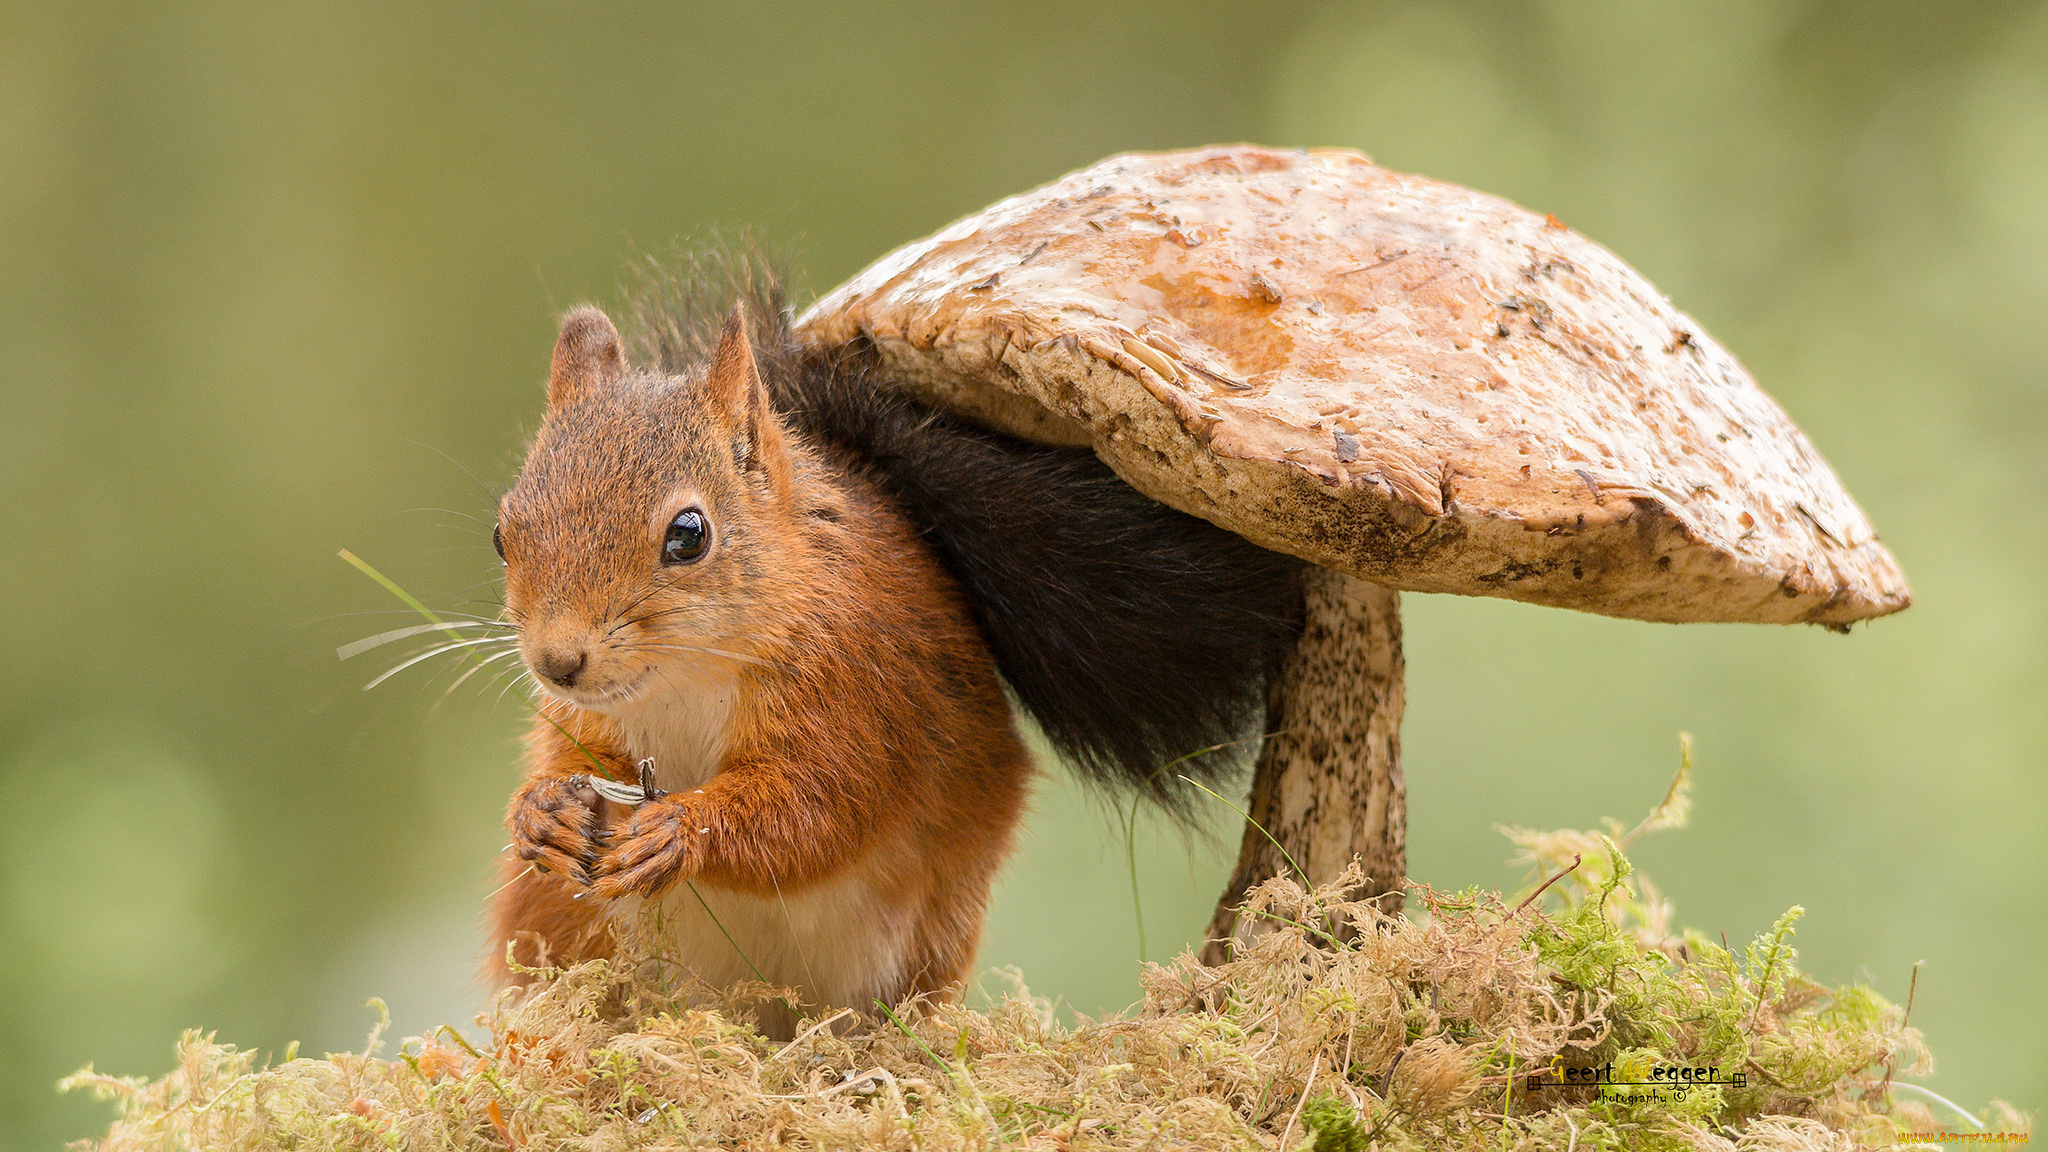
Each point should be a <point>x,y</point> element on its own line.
<point>1131,824</point>
<point>1306,883</point>
<point>914,1038</point>
<point>390,586</point>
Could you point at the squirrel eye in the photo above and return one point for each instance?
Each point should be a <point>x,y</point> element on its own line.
<point>498,539</point>
<point>688,535</point>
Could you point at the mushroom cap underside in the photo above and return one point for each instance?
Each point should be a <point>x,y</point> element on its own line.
<point>1408,381</point>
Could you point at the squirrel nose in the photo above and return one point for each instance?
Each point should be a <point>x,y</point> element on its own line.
<point>561,667</point>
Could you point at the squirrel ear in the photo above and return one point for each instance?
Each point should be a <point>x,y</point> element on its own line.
<point>733,389</point>
<point>587,357</point>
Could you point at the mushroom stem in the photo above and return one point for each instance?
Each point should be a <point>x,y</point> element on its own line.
<point>1328,785</point>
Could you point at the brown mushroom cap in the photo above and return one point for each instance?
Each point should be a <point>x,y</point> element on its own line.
<point>1420,385</point>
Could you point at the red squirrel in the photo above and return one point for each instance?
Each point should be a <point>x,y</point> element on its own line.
<point>801,595</point>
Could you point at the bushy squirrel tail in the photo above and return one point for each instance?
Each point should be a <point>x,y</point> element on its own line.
<point>1133,634</point>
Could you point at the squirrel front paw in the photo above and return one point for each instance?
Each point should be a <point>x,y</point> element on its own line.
<point>658,845</point>
<point>555,824</point>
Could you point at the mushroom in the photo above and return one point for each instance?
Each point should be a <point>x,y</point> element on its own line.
<point>1410,384</point>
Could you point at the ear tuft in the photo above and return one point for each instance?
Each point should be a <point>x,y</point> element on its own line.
<point>733,389</point>
<point>733,378</point>
<point>587,357</point>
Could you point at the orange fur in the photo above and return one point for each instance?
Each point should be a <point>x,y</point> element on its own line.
<point>813,692</point>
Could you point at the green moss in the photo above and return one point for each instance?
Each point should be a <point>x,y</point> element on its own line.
<point>1335,1125</point>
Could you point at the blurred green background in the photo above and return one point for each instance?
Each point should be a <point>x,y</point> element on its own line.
<point>281,279</point>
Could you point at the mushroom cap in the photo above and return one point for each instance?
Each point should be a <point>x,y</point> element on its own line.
<point>1408,381</point>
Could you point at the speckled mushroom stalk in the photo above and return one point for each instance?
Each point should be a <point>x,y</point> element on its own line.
<point>1328,783</point>
<point>1412,385</point>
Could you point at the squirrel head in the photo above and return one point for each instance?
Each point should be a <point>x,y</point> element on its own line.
<point>648,513</point>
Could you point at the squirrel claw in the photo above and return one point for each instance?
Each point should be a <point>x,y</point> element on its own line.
<point>555,829</point>
<point>658,846</point>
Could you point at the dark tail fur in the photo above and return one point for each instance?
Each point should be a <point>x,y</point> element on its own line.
<point>1132,633</point>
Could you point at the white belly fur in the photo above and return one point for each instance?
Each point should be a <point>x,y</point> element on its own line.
<point>840,942</point>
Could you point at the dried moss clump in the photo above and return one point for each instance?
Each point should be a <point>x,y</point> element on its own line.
<point>1340,1030</point>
